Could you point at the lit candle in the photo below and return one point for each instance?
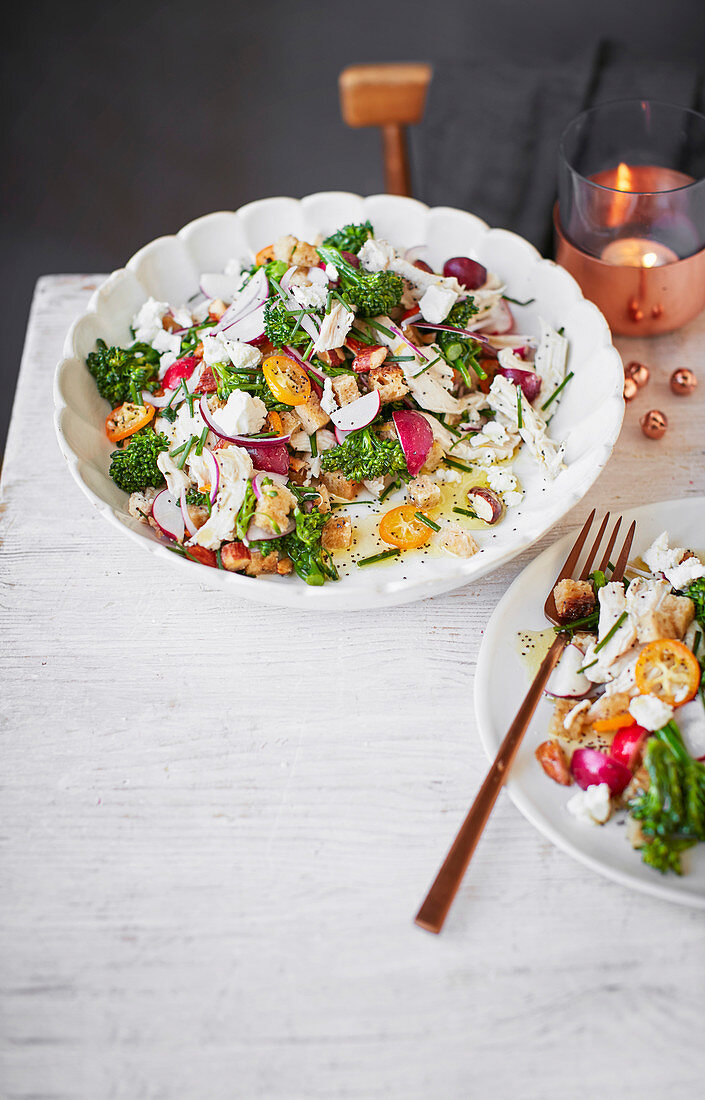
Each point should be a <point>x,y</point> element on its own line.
<point>637,252</point>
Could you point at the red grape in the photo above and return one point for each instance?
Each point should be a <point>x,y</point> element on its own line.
<point>469,273</point>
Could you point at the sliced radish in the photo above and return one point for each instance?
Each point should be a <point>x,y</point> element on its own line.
<point>529,380</point>
<point>340,436</point>
<point>505,322</point>
<point>416,437</point>
<point>188,522</point>
<point>566,681</point>
<point>255,533</point>
<point>275,460</point>
<point>359,413</point>
<point>248,328</point>
<point>590,767</point>
<point>241,440</point>
<point>166,513</point>
<point>182,368</point>
<point>416,252</point>
<point>254,293</point>
<point>278,479</point>
<point>159,401</point>
<point>627,745</point>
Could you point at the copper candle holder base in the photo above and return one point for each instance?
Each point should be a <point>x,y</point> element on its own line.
<point>636,301</point>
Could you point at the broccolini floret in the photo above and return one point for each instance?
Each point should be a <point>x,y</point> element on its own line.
<point>461,352</point>
<point>695,591</point>
<point>372,292</point>
<point>135,467</point>
<point>351,237</point>
<point>282,326</point>
<point>304,546</point>
<point>364,456</point>
<point>121,373</point>
<point>672,811</point>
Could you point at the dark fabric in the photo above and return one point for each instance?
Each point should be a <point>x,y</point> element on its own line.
<point>489,140</point>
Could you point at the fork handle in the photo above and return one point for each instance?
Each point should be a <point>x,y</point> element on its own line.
<point>439,899</point>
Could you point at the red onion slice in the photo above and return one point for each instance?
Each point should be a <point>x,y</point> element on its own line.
<point>188,522</point>
<point>398,332</point>
<point>166,513</point>
<point>359,413</point>
<point>241,440</point>
<point>479,336</point>
<point>278,479</point>
<point>416,438</point>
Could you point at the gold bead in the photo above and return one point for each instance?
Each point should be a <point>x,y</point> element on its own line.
<point>683,381</point>
<point>638,371</point>
<point>654,424</point>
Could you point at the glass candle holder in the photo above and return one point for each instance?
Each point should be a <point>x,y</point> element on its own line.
<point>630,218</point>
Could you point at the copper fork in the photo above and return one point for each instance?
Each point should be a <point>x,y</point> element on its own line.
<point>439,899</point>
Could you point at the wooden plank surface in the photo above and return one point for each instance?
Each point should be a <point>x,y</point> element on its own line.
<point>218,820</point>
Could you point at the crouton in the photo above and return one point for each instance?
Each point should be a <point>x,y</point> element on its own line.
<point>216,309</point>
<point>554,762</point>
<point>290,422</point>
<point>367,356</point>
<point>339,486</point>
<point>304,255</point>
<point>389,380</point>
<point>283,248</point>
<point>670,620</point>
<point>198,514</point>
<point>285,566</point>
<point>311,415</point>
<point>273,506</point>
<point>323,502</point>
<point>259,564</point>
<point>434,458</point>
<point>345,388</point>
<point>234,556</point>
<point>333,357</point>
<point>454,540</point>
<point>574,599</point>
<point>337,533</point>
<point>424,492</point>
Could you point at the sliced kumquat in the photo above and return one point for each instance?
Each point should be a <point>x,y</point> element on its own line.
<point>127,419</point>
<point>275,422</point>
<point>667,669</point>
<point>402,527</point>
<point>287,380</point>
<point>616,722</point>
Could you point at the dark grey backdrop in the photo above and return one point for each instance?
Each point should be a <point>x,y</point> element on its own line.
<point>126,120</point>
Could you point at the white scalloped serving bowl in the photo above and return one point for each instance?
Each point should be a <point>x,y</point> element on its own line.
<point>589,415</point>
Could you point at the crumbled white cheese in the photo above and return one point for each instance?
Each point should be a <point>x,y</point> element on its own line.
<point>661,558</point>
<point>328,401</point>
<point>650,712</point>
<point>500,479</point>
<point>311,296</point>
<point>593,806</point>
<point>147,322</point>
<point>513,498</point>
<point>375,255</point>
<point>683,574</point>
<point>448,475</point>
<point>332,272</point>
<point>235,471</point>
<point>435,304</point>
<point>169,344</point>
<point>182,316</point>
<point>217,348</point>
<point>242,414</point>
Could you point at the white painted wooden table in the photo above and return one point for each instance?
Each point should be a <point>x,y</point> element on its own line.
<point>211,859</point>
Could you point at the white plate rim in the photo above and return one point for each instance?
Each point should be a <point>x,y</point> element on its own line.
<point>547,562</point>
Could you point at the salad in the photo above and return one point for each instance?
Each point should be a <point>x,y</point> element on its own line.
<point>628,726</point>
<point>256,424</point>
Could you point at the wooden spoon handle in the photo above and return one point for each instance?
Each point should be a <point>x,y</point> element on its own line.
<point>438,901</point>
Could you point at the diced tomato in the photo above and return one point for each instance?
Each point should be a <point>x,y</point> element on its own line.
<point>207,382</point>
<point>202,555</point>
<point>628,744</point>
<point>182,368</point>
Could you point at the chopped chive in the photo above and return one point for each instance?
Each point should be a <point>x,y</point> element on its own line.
<point>201,441</point>
<point>403,359</point>
<point>586,667</point>
<point>557,390</point>
<point>561,331</point>
<point>189,396</point>
<point>380,328</point>
<point>329,295</point>
<point>278,288</point>
<point>219,558</point>
<point>696,642</point>
<point>390,489</point>
<point>363,337</point>
<point>428,365</point>
<point>520,418</point>
<point>466,512</point>
<point>429,522</point>
<point>309,349</point>
<point>314,445</point>
<point>451,428</point>
<point>516,302</point>
<point>191,443</point>
<point>457,465</point>
<point>613,630</point>
<point>378,557</point>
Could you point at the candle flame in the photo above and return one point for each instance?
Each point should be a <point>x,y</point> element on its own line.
<point>620,206</point>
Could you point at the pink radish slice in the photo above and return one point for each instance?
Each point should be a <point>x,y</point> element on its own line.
<point>219,285</point>
<point>340,436</point>
<point>278,479</point>
<point>182,368</point>
<point>241,440</point>
<point>247,328</point>
<point>188,522</point>
<point>416,438</point>
<point>275,460</point>
<point>158,401</point>
<point>411,319</point>
<point>357,414</point>
<point>252,295</point>
<point>212,463</point>
<point>590,766</point>
<point>255,533</point>
<point>529,380</point>
<point>166,513</point>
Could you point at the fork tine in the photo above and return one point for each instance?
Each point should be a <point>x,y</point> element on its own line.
<point>595,547</point>
<point>610,545</point>
<point>624,555</point>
